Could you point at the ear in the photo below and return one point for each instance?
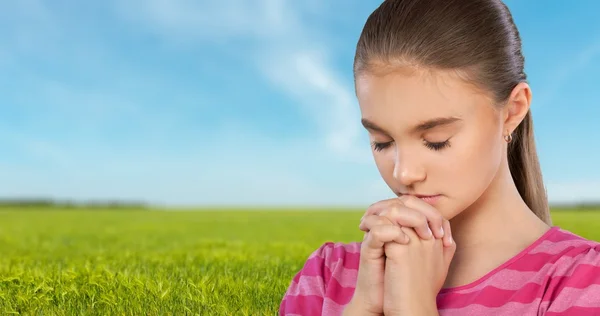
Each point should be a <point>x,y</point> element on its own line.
<point>516,108</point>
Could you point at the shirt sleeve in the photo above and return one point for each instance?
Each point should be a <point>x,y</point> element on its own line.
<point>575,290</point>
<point>306,292</point>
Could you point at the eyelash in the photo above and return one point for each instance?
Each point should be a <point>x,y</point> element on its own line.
<point>437,146</point>
<point>433,146</point>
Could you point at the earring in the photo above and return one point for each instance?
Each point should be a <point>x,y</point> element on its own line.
<point>508,137</point>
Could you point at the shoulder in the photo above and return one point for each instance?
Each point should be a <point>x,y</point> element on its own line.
<point>573,286</point>
<point>567,250</point>
<point>327,278</point>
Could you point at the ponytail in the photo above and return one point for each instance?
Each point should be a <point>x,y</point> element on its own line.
<point>525,169</point>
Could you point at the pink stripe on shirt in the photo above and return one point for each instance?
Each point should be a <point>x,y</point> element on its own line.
<point>558,274</point>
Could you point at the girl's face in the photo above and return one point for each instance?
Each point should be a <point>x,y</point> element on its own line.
<point>433,134</point>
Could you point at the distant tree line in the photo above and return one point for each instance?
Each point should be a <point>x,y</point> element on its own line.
<point>123,204</point>
<point>53,203</point>
<point>579,206</point>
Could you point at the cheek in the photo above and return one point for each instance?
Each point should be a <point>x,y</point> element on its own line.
<point>475,163</point>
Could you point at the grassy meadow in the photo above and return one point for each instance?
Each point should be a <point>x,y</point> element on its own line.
<point>152,262</point>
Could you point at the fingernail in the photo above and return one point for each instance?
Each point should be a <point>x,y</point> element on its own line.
<point>442,231</point>
<point>429,231</point>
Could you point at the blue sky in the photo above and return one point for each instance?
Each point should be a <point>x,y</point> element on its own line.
<point>243,102</point>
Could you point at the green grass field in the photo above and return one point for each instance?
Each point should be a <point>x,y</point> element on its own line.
<point>118,262</point>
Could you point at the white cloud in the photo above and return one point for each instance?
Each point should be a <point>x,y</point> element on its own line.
<point>286,51</point>
<point>294,58</point>
<point>306,76</point>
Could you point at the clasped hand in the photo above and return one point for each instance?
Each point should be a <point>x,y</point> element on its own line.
<point>404,260</point>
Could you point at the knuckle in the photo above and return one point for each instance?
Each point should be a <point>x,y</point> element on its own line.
<point>375,208</point>
<point>376,233</point>
<point>373,205</point>
<point>393,211</point>
<point>375,221</point>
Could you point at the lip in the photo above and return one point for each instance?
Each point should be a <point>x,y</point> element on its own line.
<point>431,199</point>
<point>425,196</point>
<point>418,195</point>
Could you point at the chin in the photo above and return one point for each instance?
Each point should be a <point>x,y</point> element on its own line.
<point>446,206</point>
<point>462,207</point>
<point>448,209</point>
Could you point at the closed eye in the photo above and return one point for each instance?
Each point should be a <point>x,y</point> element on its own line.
<point>377,146</point>
<point>437,146</point>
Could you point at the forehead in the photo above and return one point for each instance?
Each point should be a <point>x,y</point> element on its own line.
<point>407,97</point>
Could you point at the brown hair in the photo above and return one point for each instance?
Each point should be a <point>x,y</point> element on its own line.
<point>480,41</point>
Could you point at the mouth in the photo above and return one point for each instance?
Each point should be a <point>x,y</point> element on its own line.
<point>417,195</point>
<point>431,199</point>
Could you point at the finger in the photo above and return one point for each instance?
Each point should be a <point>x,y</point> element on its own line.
<point>370,221</point>
<point>396,208</point>
<point>434,217</point>
<point>448,253</point>
<point>448,241</point>
<point>408,217</point>
<point>379,235</point>
<point>410,232</point>
<point>378,207</point>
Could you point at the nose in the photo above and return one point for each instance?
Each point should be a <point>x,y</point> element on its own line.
<point>407,168</point>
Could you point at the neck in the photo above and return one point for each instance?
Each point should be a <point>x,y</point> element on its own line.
<point>498,224</point>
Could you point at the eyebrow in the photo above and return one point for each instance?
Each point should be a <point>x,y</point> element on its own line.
<point>421,127</point>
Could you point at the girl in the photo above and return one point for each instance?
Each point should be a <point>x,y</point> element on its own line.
<point>445,100</point>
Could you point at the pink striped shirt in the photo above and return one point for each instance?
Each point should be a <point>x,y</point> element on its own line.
<point>558,274</point>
